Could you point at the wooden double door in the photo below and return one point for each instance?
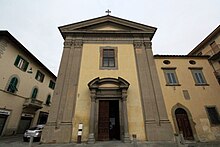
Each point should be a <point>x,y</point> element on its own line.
<point>108,120</point>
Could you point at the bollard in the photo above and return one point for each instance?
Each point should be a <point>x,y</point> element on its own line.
<point>79,135</point>
<point>31,141</point>
<point>134,136</point>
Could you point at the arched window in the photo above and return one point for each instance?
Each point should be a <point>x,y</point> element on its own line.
<point>48,100</point>
<point>34,93</point>
<point>12,87</point>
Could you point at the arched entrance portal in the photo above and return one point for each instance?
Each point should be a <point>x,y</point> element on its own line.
<point>184,124</point>
<point>108,115</point>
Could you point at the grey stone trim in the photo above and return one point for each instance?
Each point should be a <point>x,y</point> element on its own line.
<point>153,106</point>
<point>101,58</point>
<point>148,44</point>
<point>65,93</point>
<point>94,88</point>
<point>138,44</point>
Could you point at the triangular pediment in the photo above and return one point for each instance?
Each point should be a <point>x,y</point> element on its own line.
<point>107,24</point>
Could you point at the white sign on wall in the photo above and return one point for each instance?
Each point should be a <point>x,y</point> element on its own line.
<point>5,112</point>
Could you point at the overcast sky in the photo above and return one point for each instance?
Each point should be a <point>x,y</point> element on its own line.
<point>181,24</point>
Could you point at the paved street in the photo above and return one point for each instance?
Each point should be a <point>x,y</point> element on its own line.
<point>16,141</point>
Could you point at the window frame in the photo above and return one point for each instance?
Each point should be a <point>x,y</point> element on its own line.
<point>48,100</point>
<point>210,118</point>
<point>169,79</point>
<point>52,84</point>
<point>10,86</point>
<point>21,63</point>
<point>115,58</point>
<point>198,76</point>
<point>34,93</point>
<point>41,75</point>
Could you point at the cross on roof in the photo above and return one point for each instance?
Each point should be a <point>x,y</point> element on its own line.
<point>108,11</point>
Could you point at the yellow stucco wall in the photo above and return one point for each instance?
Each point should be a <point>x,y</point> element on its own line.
<point>200,96</point>
<point>27,81</point>
<point>90,70</point>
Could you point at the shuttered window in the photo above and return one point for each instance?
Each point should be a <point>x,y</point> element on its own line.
<point>21,63</point>
<point>34,93</point>
<point>12,87</point>
<point>52,84</point>
<point>39,76</point>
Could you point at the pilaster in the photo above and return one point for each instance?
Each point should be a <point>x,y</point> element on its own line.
<point>91,139</point>
<point>59,126</point>
<point>126,137</point>
<point>154,111</point>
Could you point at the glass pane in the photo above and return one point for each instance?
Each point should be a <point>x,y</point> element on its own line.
<point>111,53</point>
<point>105,62</point>
<point>201,78</point>
<point>169,78</point>
<point>105,53</point>
<point>198,80</point>
<point>111,62</point>
<point>173,78</point>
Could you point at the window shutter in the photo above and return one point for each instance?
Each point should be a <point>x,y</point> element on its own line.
<point>34,94</point>
<point>17,60</point>
<point>36,74</point>
<point>26,66</point>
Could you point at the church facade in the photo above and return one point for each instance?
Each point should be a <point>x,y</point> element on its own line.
<point>108,86</point>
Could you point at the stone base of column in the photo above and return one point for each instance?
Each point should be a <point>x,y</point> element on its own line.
<point>91,139</point>
<point>159,132</point>
<point>51,134</point>
<point>126,138</point>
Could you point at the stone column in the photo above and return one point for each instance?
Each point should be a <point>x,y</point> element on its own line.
<point>126,137</point>
<point>157,125</point>
<point>91,138</point>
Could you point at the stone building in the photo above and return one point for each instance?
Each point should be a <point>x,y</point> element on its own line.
<point>26,87</point>
<point>111,87</point>
<point>210,46</point>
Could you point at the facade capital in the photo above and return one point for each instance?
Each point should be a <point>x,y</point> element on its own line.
<point>124,95</point>
<point>148,44</point>
<point>68,43</point>
<point>93,95</point>
<point>78,43</point>
<point>138,44</point>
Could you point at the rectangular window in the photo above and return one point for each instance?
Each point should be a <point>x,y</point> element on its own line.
<point>52,84</point>
<point>198,76</point>
<point>215,47</point>
<point>108,58</point>
<point>170,76</point>
<point>213,115</point>
<point>39,76</point>
<point>21,63</point>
